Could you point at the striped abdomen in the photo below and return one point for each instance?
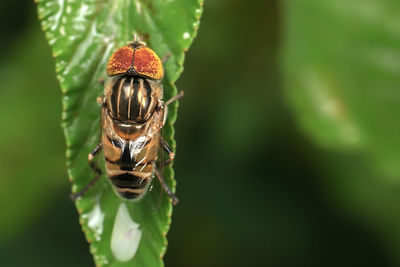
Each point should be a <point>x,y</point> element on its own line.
<point>130,163</point>
<point>132,98</point>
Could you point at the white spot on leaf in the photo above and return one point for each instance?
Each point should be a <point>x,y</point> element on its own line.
<point>95,221</point>
<point>126,235</point>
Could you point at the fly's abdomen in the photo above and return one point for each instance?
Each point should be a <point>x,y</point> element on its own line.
<point>130,186</point>
<point>130,179</point>
<point>129,165</point>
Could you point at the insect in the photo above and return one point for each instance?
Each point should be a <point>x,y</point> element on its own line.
<point>132,117</point>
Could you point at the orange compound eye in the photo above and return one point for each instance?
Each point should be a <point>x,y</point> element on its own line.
<point>120,61</point>
<point>148,64</point>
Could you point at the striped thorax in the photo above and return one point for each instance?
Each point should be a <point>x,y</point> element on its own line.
<point>132,98</point>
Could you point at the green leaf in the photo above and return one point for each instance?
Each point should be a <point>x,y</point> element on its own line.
<point>341,70</point>
<point>82,35</point>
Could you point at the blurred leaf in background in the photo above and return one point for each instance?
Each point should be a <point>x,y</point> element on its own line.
<point>341,69</point>
<point>30,134</point>
<point>342,75</point>
<point>263,201</point>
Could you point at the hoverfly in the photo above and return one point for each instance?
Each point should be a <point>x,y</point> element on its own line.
<point>132,117</point>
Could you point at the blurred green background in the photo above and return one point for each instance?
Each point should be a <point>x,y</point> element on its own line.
<point>288,140</point>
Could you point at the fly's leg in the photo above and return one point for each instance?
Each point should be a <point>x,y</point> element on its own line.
<point>85,189</point>
<point>91,156</point>
<point>101,81</point>
<point>160,177</point>
<point>172,99</point>
<point>169,101</point>
<point>167,150</point>
<point>102,101</point>
<point>95,168</point>
<point>175,200</point>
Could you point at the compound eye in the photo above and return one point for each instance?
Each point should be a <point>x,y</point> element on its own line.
<point>148,64</point>
<point>120,61</point>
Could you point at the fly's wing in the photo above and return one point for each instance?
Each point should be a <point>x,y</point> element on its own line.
<point>139,152</point>
<point>160,166</point>
<point>144,150</point>
<point>147,151</point>
<point>95,162</point>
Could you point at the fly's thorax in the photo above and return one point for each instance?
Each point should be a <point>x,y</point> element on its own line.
<point>132,99</point>
<point>121,130</point>
<point>132,130</point>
